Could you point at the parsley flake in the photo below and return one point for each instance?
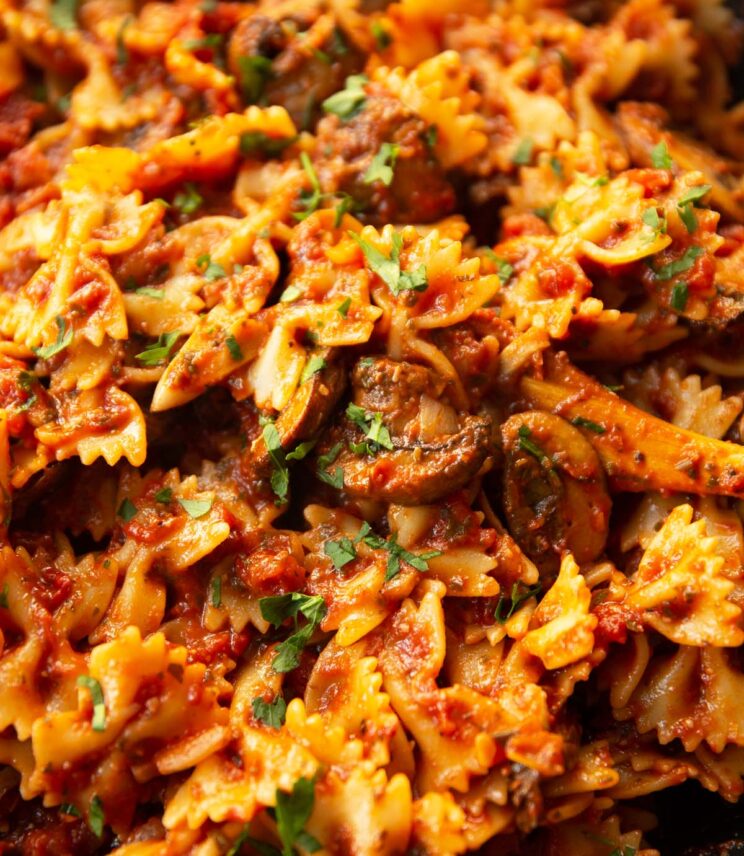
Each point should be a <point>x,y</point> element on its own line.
<point>63,14</point>
<point>504,270</point>
<point>526,444</point>
<point>122,53</point>
<point>215,592</point>
<point>678,299</point>
<point>580,422</point>
<point>343,307</point>
<point>324,461</point>
<point>158,352</point>
<point>188,200</point>
<point>349,101</point>
<point>4,596</point>
<point>518,597</point>
<point>309,199</point>
<point>96,817</point>
<point>382,38</point>
<point>660,158</point>
<point>255,73</point>
<point>383,164</point>
<point>212,270</point>
<point>371,423</point>
<point>314,365</point>
<point>292,813</point>
<point>396,552</point>
<point>196,508</point>
<point>680,265</point>
<point>233,347</point>
<point>388,268</point>
<point>164,495</point>
<point>277,608</point>
<point>271,713</point>
<point>340,552</point>
<point>523,153</point>
<point>127,510</point>
<point>63,340</point>
<point>98,723</point>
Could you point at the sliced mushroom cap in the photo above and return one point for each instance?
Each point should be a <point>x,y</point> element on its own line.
<point>307,410</point>
<point>419,473</point>
<point>432,450</point>
<point>555,493</point>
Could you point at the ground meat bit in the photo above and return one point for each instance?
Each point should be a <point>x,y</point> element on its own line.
<point>17,115</point>
<point>419,192</point>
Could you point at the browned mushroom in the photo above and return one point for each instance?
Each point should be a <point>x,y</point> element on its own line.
<point>398,442</point>
<point>307,410</point>
<point>555,495</point>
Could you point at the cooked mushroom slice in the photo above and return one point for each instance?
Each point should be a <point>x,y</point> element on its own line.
<point>555,495</point>
<point>639,451</point>
<point>398,442</point>
<point>307,410</point>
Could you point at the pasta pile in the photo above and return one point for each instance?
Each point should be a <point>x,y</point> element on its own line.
<point>371,452</point>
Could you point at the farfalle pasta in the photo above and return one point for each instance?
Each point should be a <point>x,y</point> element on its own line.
<point>371,389</point>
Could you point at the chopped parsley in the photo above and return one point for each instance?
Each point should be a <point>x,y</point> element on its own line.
<point>233,347</point>
<point>314,365</point>
<point>324,461</point>
<point>292,813</point>
<point>158,352</point>
<point>396,553</point>
<point>278,608</point>
<point>63,340</point>
<point>164,495</point>
<point>527,444</point>
<point>255,73</point>
<point>340,552</point>
<point>652,219</point>
<point>310,199</point>
<point>523,153</point>
<point>343,307</point>
<point>4,596</point>
<point>122,53</point>
<point>678,300</point>
<point>63,14</point>
<point>383,164</point>
<point>346,205</point>
<point>149,291</point>
<point>215,592</point>
<point>257,141</point>
<point>580,422</point>
<point>372,426</point>
<point>280,472</point>
<point>290,294</point>
<point>382,38</point>
<point>349,101</point>
<point>96,817</point>
<point>504,270</point>
<point>188,200</point>
<point>518,597</point>
<point>196,508</point>
<point>127,510</point>
<point>98,723</point>
<point>680,265</point>
<point>211,270</point>
<point>210,42</point>
<point>271,713</point>
<point>660,158</point>
<point>69,808</point>
<point>388,268</point>
<point>686,206</point>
